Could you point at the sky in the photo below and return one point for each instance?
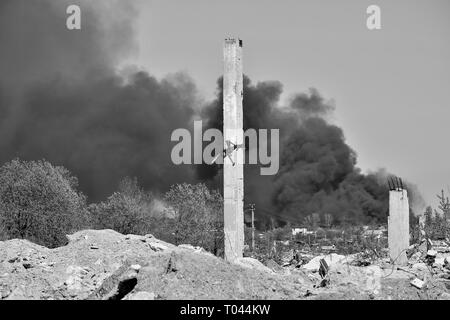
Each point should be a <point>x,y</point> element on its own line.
<point>390,87</point>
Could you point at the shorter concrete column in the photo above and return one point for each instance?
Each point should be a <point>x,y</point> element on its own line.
<point>398,226</point>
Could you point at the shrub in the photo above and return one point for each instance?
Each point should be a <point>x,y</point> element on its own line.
<point>198,216</point>
<point>128,211</point>
<point>39,202</point>
<point>436,225</point>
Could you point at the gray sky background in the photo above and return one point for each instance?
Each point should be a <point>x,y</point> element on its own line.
<point>391,87</point>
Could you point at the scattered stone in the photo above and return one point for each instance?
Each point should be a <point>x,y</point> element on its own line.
<point>135,267</point>
<point>439,262</point>
<point>331,260</point>
<point>308,293</point>
<point>271,264</point>
<point>423,247</point>
<point>431,256</point>
<point>141,295</point>
<point>12,260</point>
<point>445,275</point>
<point>415,257</point>
<point>417,283</point>
<point>431,253</point>
<point>4,293</point>
<point>324,268</point>
<point>27,265</point>
<point>447,262</point>
<point>444,296</point>
<point>251,263</point>
<point>191,247</point>
<point>156,246</point>
<point>73,283</point>
<point>373,282</point>
<point>419,266</point>
<point>135,237</point>
<point>132,274</point>
<point>173,265</point>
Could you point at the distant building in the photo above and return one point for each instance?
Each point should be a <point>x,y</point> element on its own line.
<point>376,233</point>
<point>296,231</point>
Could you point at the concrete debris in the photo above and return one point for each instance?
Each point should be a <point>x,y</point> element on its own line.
<point>323,272</point>
<point>374,276</point>
<point>156,246</point>
<point>417,283</point>
<point>251,263</point>
<point>192,248</point>
<point>141,295</point>
<point>271,264</point>
<point>447,262</point>
<point>330,259</point>
<point>431,253</point>
<point>324,268</point>
<point>444,296</point>
<point>135,267</point>
<point>132,267</point>
<point>415,258</point>
<point>419,267</point>
<point>439,262</point>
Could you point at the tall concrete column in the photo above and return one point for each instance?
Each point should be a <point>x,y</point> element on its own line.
<point>233,169</point>
<point>398,225</point>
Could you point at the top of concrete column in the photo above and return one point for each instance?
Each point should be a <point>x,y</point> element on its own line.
<point>234,40</point>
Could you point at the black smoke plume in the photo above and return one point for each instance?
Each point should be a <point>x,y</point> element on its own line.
<point>63,99</point>
<point>317,167</point>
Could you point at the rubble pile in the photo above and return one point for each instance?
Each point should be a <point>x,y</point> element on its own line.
<point>106,265</point>
<point>426,276</point>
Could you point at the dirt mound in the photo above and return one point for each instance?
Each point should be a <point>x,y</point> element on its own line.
<point>104,264</point>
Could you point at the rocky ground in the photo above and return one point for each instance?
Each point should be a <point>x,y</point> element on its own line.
<point>104,264</point>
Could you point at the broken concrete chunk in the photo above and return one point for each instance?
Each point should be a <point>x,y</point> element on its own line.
<point>431,253</point>
<point>196,249</point>
<point>324,268</point>
<point>444,296</point>
<point>417,283</point>
<point>74,283</point>
<point>141,295</point>
<point>251,263</point>
<point>415,257</point>
<point>331,260</point>
<point>135,267</point>
<point>15,259</point>
<point>447,262</point>
<point>135,237</point>
<point>156,246</point>
<point>439,262</point>
<point>419,266</point>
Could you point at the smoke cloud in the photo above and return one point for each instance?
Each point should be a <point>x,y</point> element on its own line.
<point>63,99</point>
<point>318,172</point>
